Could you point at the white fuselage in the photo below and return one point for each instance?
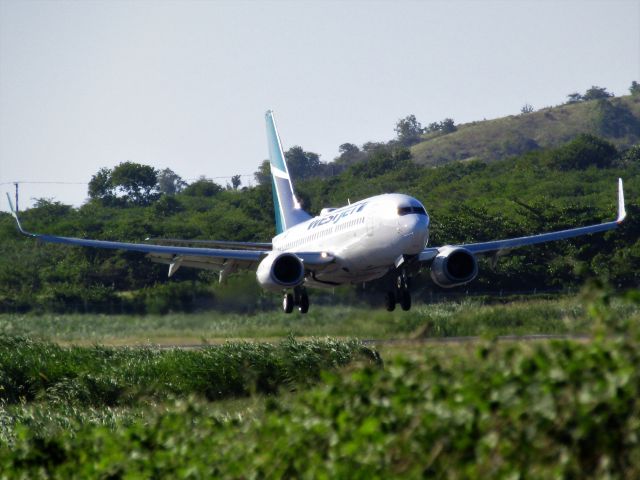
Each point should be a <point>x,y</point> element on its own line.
<point>365,238</point>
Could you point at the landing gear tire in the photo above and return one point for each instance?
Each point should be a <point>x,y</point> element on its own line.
<point>287,303</point>
<point>303,306</point>
<point>390,301</point>
<point>403,294</point>
<point>301,299</point>
<point>405,300</point>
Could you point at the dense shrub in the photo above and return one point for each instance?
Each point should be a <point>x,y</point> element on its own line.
<point>31,370</point>
<point>551,410</point>
<point>583,152</point>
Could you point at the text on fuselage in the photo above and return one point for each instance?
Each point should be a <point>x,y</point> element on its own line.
<point>337,215</point>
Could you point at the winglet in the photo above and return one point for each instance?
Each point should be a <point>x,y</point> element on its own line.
<point>622,213</point>
<point>15,215</point>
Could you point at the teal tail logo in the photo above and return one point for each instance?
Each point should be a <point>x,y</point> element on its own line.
<point>287,208</point>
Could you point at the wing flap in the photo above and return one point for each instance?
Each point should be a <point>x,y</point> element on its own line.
<point>223,266</point>
<point>262,246</point>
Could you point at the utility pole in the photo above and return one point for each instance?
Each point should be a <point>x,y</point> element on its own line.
<point>17,208</point>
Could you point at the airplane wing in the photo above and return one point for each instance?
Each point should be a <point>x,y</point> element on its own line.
<point>223,260</point>
<point>261,246</point>
<point>497,246</point>
<point>233,256</point>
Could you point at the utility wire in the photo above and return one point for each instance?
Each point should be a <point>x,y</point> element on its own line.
<point>54,182</point>
<point>46,183</point>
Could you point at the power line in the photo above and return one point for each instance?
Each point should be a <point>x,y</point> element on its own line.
<point>55,182</point>
<point>45,182</point>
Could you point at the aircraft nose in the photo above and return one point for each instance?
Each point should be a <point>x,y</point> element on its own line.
<point>415,230</point>
<point>408,224</point>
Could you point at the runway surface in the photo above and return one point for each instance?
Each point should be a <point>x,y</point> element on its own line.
<point>411,341</point>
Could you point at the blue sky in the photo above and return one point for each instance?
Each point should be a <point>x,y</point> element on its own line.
<point>185,85</point>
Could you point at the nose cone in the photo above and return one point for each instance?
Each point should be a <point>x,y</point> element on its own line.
<point>407,224</point>
<point>415,231</point>
<point>413,223</point>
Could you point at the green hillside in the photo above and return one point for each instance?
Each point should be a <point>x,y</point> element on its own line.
<point>616,119</point>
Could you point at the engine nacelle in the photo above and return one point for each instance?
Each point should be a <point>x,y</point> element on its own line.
<point>280,270</point>
<point>453,266</point>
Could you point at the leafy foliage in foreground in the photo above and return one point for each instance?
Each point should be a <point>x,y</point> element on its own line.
<point>554,409</point>
<point>99,376</point>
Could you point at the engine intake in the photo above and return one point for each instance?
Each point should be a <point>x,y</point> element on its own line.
<point>453,266</point>
<point>283,270</point>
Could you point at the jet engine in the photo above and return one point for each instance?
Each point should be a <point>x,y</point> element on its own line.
<point>453,266</point>
<point>280,270</point>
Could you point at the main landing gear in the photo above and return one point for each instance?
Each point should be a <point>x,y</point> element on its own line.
<point>299,298</point>
<point>399,294</point>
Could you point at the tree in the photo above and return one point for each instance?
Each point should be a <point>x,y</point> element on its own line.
<point>303,164</point>
<point>170,182</point>
<point>128,183</point>
<point>433,127</point>
<point>526,108</point>
<point>595,93</point>
<point>203,187</point>
<point>634,88</point>
<point>371,147</point>
<point>136,182</point>
<point>235,182</point>
<point>574,97</point>
<point>584,151</point>
<point>448,126</point>
<point>632,156</point>
<point>263,175</point>
<point>445,126</point>
<point>348,149</point>
<point>408,130</point>
<point>382,161</point>
<point>167,205</point>
<point>615,120</point>
<point>349,154</point>
<point>48,208</point>
<point>100,187</point>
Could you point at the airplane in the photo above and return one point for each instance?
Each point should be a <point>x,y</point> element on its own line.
<point>357,243</point>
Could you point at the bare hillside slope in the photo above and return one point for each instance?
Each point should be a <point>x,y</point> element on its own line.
<point>616,119</point>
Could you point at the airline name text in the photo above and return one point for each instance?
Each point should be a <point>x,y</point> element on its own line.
<point>338,215</point>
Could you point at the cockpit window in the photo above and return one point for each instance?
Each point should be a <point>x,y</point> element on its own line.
<point>407,210</point>
<point>419,210</point>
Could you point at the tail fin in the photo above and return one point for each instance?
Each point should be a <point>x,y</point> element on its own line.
<point>287,207</point>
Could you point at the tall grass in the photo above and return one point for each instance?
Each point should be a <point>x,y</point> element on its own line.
<point>99,376</point>
<point>469,317</point>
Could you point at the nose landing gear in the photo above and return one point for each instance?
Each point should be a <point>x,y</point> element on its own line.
<point>299,298</point>
<point>399,293</point>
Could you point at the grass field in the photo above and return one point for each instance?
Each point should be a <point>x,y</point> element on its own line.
<point>326,408</point>
<point>472,317</point>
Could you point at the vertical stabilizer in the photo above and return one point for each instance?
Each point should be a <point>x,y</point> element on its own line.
<point>287,209</point>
